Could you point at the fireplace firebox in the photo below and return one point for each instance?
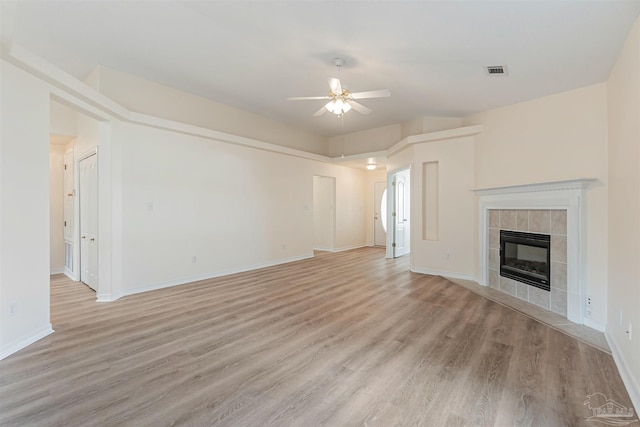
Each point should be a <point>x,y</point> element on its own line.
<point>526,257</point>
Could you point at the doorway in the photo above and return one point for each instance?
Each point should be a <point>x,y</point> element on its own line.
<point>324,213</point>
<point>88,201</point>
<point>399,204</point>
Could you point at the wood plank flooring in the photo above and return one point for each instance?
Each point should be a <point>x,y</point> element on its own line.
<point>345,339</point>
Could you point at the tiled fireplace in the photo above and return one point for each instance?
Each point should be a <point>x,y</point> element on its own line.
<point>551,223</point>
<point>555,209</point>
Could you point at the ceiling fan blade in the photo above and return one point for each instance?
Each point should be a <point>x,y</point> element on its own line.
<point>359,107</point>
<point>335,86</point>
<point>320,111</point>
<point>304,98</point>
<point>383,93</point>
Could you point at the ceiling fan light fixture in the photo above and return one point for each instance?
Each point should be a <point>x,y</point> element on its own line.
<point>331,106</point>
<point>338,106</point>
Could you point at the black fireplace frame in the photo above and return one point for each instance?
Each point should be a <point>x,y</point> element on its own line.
<point>542,281</point>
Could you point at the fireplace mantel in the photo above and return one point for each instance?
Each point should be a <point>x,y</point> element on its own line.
<point>573,184</point>
<point>567,195</point>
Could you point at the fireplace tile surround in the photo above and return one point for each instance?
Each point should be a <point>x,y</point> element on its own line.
<point>557,208</point>
<point>552,222</point>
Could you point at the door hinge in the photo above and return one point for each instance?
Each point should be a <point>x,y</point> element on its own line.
<point>393,214</point>
<point>393,245</point>
<point>65,223</point>
<point>393,183</point>
<point>65,167</point>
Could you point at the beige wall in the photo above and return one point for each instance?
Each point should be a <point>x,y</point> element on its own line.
<point>623,103</point>
<point>557,137</point>
<point>143,96</point>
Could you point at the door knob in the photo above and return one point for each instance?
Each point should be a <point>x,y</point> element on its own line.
<point>84,237</point>
<point>92,239</point>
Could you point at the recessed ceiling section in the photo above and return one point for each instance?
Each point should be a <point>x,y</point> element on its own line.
<point>254,55</point>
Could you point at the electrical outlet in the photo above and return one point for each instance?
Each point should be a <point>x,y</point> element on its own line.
<point>447,256</point>
<point>193,259</point>
<point>629,331</point>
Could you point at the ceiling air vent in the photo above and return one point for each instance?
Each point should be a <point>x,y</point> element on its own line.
<point>497,70</point>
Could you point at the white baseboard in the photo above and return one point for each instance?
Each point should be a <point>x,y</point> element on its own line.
<point>70,274</point>
<point>342,249</point>
<point>442,273</point>
<point>58,270</point>
<point>22,343</point>
<point>630,382</point>
<point>108,297</point>
<point>186,280</point>
<point>593,324</point>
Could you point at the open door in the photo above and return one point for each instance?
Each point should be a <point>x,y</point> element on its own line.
<point>400,213</point>
<point>88,198</point>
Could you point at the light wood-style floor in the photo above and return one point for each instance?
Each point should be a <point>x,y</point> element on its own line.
<point>345,339</point>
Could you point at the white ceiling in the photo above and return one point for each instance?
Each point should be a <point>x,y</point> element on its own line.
<point>255,54</point>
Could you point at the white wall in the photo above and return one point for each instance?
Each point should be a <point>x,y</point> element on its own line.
<point>63,120</point>
<point>366,141</point>
<point>558,137</point>
<point>623,104</point>
<point>56,203</point>
<point>324,214</point>
<point>143,96</point>
<point>232,207</point>
<point>24,209</point>
<point>454,253</point>
<point>428,124</point>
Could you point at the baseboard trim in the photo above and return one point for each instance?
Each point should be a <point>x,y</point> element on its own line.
<point>630,382</point>
<point>70,274</point>
<point>48,330</point>
<point>342,249</point>
<point>442,273</point>
<point>59,270</point>
<point>108,297</point>
<point>191,279</point>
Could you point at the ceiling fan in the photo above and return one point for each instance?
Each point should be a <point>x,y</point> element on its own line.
<point>340,99</point>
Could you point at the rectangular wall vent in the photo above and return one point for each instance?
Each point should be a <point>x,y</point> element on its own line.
<point>497,70</point>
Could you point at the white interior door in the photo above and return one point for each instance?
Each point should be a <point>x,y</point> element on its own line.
<point>68,205</point>
<point>401,220</point>
<point>88,198</point>
<point>379,214</point>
